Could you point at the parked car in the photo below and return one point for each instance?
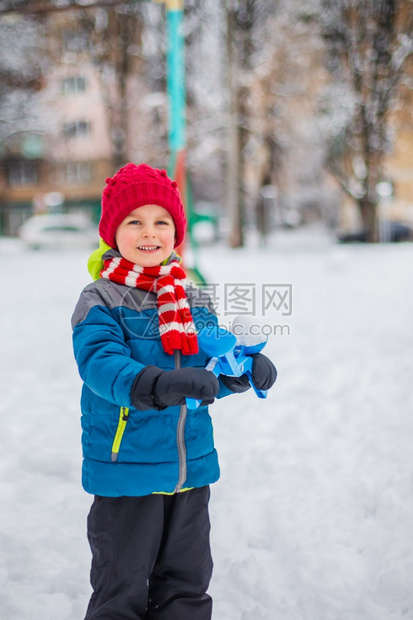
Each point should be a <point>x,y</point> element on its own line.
<point>393,232</point>
<point>59,230</point>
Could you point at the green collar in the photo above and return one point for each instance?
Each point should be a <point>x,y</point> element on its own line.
<point>95,261</point>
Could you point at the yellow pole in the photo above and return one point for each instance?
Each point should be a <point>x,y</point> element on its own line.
<point>172,5</point>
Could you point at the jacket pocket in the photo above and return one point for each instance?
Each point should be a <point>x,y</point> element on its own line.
<point>123,419</point>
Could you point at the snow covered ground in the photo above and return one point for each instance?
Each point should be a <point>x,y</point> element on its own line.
<point>313,516</point>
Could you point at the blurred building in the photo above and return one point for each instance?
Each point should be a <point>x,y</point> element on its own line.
<point>399,170</point>
<point>62,168</point>
<point>96,110</point>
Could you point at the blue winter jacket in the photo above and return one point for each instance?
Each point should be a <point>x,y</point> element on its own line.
<point>127,451</point>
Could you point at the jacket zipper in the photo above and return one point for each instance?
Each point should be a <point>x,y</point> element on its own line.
<point>123,418</point>
<point>180,434</point>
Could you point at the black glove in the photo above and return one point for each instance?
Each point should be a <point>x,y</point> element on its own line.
<point>236,384</point>
<point>264,375</point>
<point>154,388</point>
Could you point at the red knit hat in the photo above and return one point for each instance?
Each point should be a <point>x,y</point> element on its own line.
<point>135,186</point>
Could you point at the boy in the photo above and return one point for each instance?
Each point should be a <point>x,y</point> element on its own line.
<point>147,459</point>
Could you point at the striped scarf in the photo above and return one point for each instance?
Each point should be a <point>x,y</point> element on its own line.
<point>176,325</point>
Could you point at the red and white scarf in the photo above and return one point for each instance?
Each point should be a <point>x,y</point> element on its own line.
<point>176,325</point>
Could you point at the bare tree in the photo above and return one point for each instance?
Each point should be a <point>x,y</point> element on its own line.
<point>21,68</point>
<point>286,146</point>
<point>370,45</point>
<point>245,20</point>
<point>114,36</point>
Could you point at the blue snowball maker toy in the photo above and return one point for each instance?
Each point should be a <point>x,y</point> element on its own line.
<point>228,357</point>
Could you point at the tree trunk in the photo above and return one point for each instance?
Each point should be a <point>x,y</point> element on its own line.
<point>368,210</point>
<point>120,128</point>
<point>233,144</point>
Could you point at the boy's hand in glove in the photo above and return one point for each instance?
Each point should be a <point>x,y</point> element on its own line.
<point>154,388</point>
<point>264,375</point>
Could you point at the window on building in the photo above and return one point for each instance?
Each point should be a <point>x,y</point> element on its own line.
<point>75,41</point>
<point>78,172</point>
<point>76,129</point>
<point>22,172</point>
<point>74,84</point>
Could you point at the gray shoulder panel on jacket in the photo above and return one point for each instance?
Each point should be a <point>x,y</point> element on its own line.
<point>112,295</point>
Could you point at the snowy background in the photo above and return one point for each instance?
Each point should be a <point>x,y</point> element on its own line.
<point>313,516</point>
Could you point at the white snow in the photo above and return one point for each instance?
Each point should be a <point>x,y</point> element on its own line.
<point>313,516</point>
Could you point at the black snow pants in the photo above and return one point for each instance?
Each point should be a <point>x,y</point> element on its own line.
<point>151,557</point>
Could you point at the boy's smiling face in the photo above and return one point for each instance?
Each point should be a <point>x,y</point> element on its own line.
<point>146,236</point>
